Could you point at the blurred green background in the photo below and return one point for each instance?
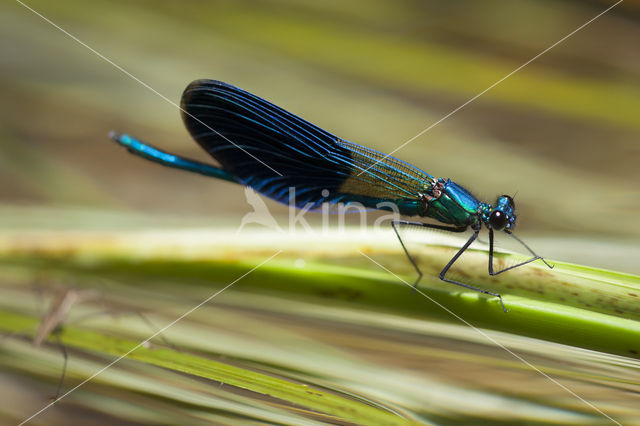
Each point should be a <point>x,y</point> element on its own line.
<point>562,133</point>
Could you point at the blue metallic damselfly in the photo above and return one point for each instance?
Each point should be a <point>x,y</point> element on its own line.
<point>271,150</point>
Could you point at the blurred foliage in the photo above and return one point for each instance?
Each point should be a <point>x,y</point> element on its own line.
<point>324,340</point>
<point>562,134</point>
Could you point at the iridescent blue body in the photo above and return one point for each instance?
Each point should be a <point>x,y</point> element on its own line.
<point>263,146</point>
<point>157,156</point>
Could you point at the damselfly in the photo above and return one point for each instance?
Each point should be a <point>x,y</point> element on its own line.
<point>271,150</point>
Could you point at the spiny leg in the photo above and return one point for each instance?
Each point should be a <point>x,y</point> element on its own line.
<point>395,223</point>
<point>534,258</point>
<point>512,235</point>
<point>452,261</point>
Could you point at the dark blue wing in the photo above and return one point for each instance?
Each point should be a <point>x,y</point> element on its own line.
<point>272,150</point>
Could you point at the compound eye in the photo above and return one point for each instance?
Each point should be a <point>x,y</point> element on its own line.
<point>498,220</point>
<point>509,200</point>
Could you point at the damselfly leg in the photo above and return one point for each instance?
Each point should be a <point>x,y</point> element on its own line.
<point>442,275</point>
<point>534,258</point>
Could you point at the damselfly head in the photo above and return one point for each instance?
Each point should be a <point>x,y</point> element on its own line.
<point>503,215</point>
